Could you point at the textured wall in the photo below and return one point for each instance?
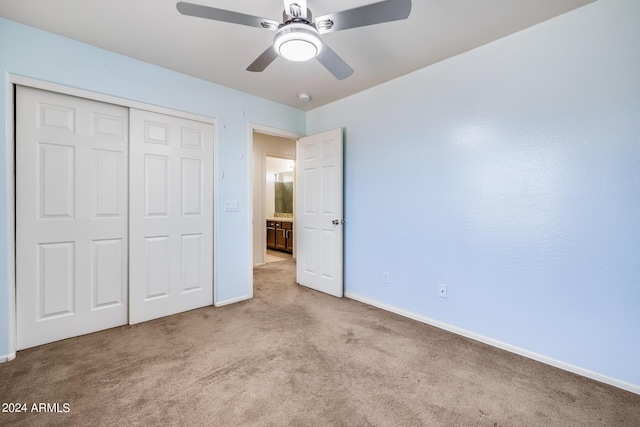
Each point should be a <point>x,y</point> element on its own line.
<point>511,173</point>
<point>43,56</point>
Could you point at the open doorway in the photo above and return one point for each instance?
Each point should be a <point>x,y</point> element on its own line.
<point>279,202</point>
<point>318,251</point>
<point>273,183</point>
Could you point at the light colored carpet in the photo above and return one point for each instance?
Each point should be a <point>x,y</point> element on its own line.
<point>295,357</point>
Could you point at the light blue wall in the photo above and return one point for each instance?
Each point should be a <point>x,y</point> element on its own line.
<point>511,173</point>
<point>32,53</point>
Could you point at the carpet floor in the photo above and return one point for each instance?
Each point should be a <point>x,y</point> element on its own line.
<point>296,357</point>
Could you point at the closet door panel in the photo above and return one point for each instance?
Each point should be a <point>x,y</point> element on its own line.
<point>71,216</point>
<point>171,215</point>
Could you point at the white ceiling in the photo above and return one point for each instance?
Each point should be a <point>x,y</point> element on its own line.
<point>154,31</point>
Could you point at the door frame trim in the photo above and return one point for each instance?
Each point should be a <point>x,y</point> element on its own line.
<point>14,79</point>
<point>251,127</point>
<point>11,182</point>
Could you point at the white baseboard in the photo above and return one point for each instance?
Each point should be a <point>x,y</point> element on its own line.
<point>499,344</point>
<point>7,358</point>
<point>232,301</point>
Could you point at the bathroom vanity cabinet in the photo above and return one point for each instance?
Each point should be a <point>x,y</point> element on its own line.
<point>280,235</point>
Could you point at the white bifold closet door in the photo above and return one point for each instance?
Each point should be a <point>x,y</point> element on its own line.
<point>171,215</point>
<point>114,216</point>
<point>71,216</point>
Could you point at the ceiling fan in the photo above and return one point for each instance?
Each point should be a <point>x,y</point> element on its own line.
<point>298,35</point>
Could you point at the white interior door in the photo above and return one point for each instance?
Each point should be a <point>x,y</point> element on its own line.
<point>71,216</point>
<point>171,215</point>
<point>319,212</point>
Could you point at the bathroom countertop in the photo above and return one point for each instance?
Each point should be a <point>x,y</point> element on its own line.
<point>280,219</point>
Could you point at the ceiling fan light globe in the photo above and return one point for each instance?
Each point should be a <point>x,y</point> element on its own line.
<point>297,42</point>
<point>298,50</point>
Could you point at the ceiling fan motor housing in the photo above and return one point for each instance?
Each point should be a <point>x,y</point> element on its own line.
<point>297,40</point>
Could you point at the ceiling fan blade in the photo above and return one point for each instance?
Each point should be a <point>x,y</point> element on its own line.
<point>334,63</point>
<point>263,61</point>
<point>207,12</point>
<point>376,13</point>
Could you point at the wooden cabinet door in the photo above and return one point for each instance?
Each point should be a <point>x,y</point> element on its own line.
<point>281,238</point>
<point>271,235</point>
<point>289,247</point>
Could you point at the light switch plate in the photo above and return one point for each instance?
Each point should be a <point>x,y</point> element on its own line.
<point>231,206</point>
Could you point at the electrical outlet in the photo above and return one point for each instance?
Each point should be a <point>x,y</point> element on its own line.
<point>385,277</point>
<point>442,291</point>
